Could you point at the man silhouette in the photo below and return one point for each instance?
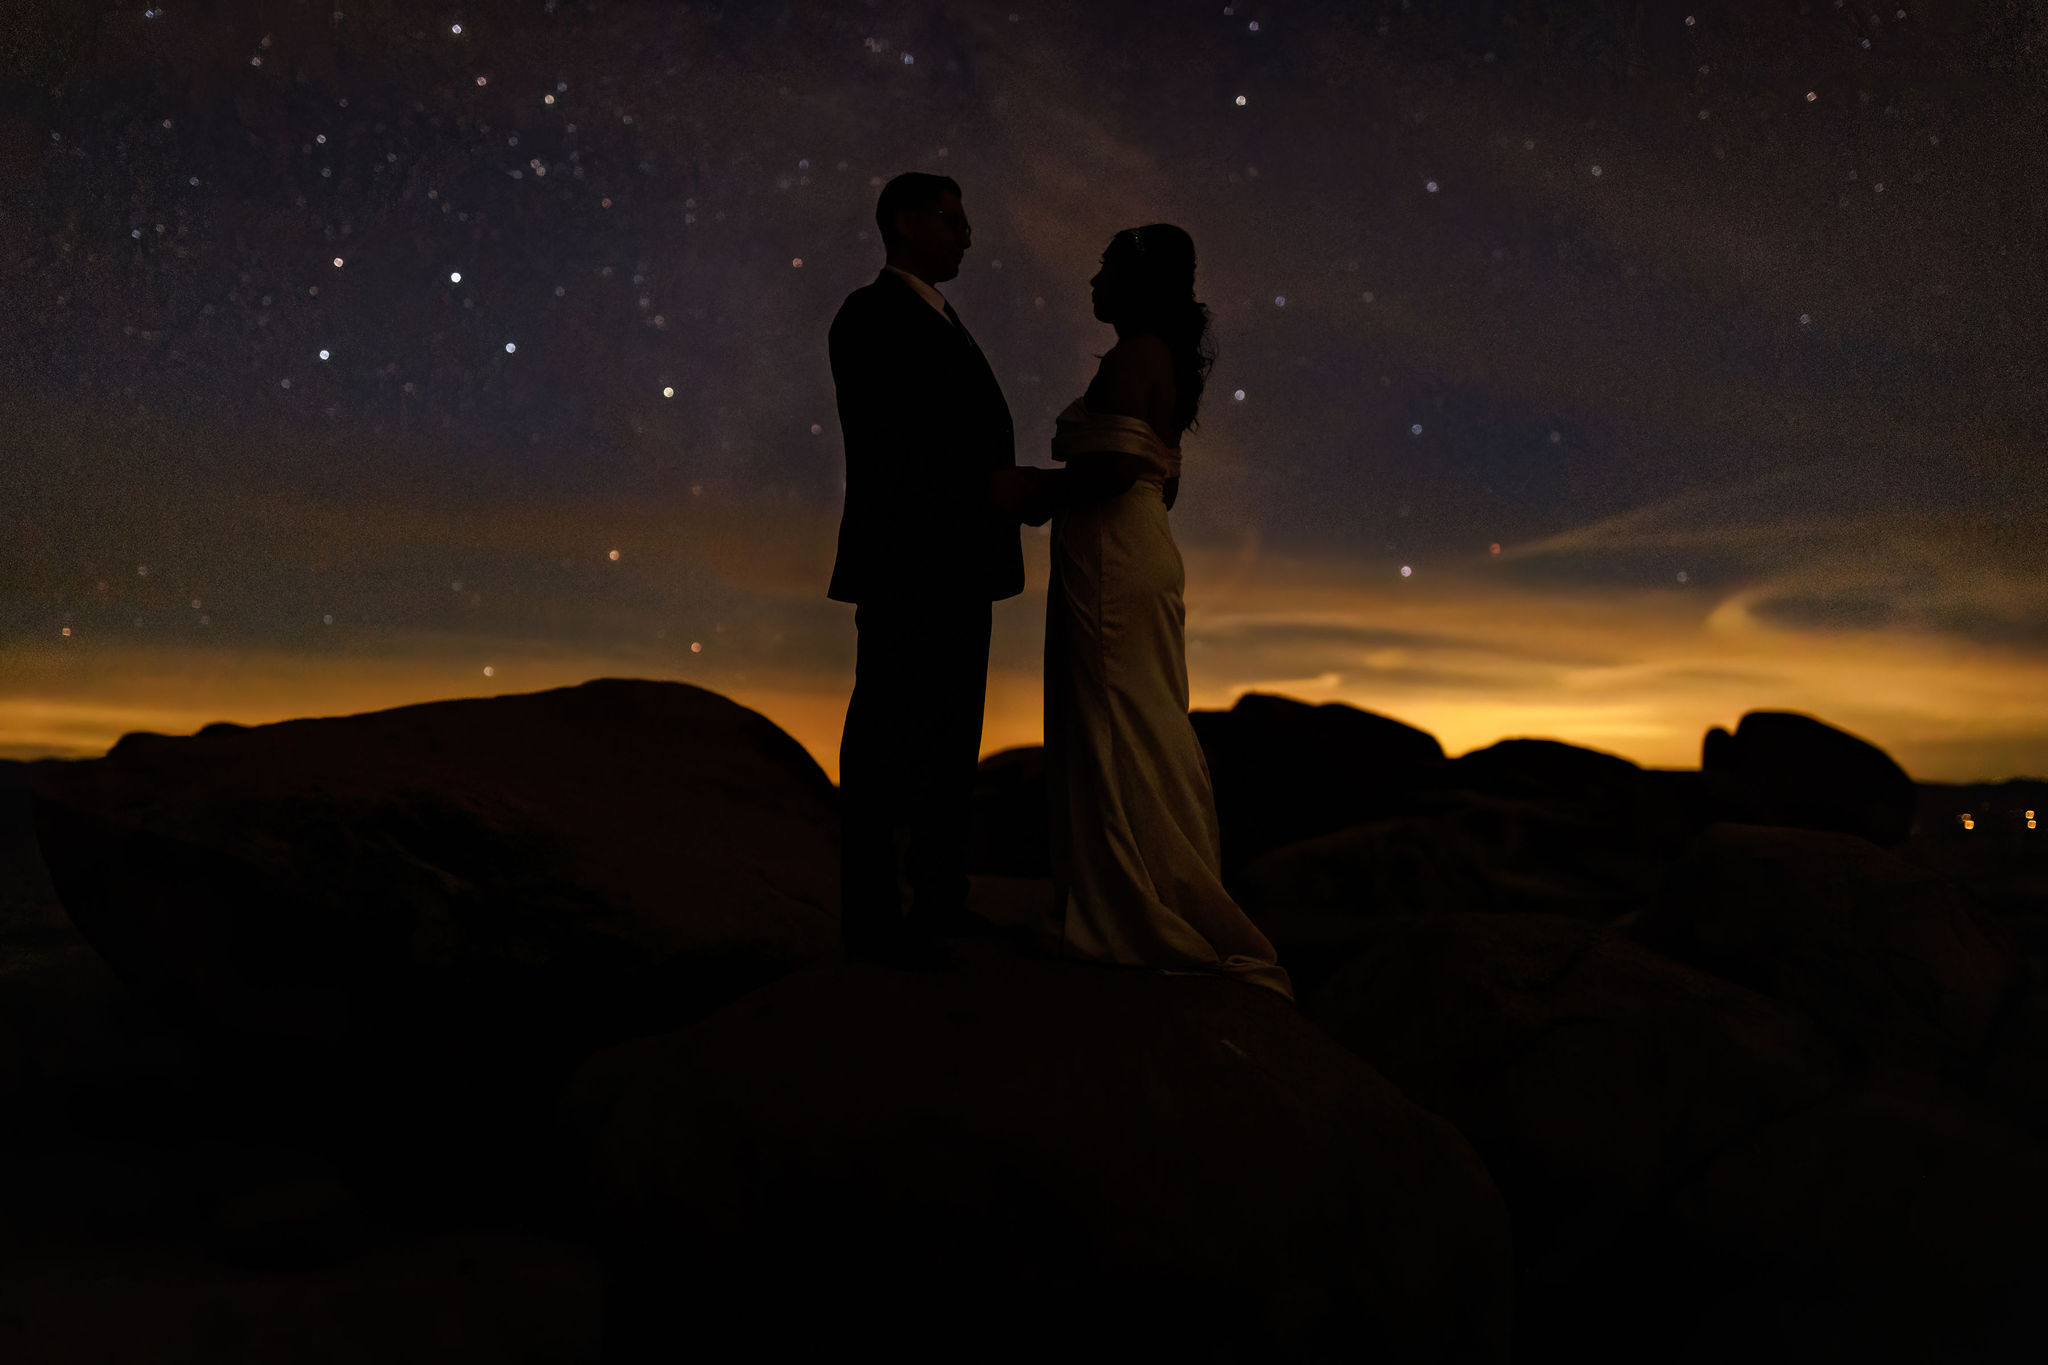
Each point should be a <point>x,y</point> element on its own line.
<point>928,539</point>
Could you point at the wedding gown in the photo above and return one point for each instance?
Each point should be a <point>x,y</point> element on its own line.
<point>1136,852</point>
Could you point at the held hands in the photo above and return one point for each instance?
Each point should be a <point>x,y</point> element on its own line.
<point>1024,493</point>
<point>1032,495</point>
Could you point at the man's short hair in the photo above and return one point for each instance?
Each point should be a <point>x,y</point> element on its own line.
<point>910,190</point>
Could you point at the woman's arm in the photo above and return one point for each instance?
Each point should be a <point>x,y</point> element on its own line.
<point>1123,386</point>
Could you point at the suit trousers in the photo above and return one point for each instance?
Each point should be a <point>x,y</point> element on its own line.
<point>907,761</point>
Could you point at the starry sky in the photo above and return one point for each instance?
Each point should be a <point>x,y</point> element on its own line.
<point>1597,371</point>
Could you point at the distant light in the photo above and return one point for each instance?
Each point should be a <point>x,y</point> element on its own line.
<point>1255,26</point>
<point>1240,99</point>
<point>327,620</point>
<point>455,277</point>
<point>797,261</point>
<point>1406,571</point>
<point>1556,437</point>
<point>817,430</point>
<point>1596,170</point>
<point>457,28</point>
<point>337,262</point>
<point>1239,395</point>
<point>1688,21</point>
<point>488,670</point>
<point>1811,96</point>
<point>614,555</point>
<point>909,60</point>
<point>1280,301</point>
<point>479,80</point>
<point>1805,319</point>
<point>696,647</point>
<point>547,99</point>
<point>1494,548</point>
<point>323,355</point>
<point>67,631</point>
<point>1682,577</point>
<point>1415,429</point>
<point>510,348</point>
<point>1367,296</point>
<point>1968,823</point>
<point>667,392</point>
<point>2030,815</point>
<point>1430,185</point>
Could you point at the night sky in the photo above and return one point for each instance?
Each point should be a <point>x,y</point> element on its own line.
<point>1593,371</point>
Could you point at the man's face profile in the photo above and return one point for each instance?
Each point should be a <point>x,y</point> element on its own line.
<point>934,237</point>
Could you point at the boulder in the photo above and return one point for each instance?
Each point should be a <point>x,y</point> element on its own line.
<point>450,1299</point>
<point>1024,1158</point>
<point>402,929</point>
<point>1889,959</point>
<point>1592,1076</point>
<point>1009,835</point>
<point>1462,852</point>
<point>558,853</point>
<point>1781,768</point>
<point>1890,1221</point>
<point>1284,770</point>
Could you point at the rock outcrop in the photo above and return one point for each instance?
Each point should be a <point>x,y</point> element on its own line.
<point>1032,1158</point>
<point>1890,960</point>
<point>1592,1076</point>
<point>1284,771</point>
<point>1782,768</point>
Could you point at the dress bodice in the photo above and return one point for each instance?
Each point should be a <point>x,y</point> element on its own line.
<point>1081,429</point>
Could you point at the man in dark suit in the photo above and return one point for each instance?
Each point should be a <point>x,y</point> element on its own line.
<point>927,541</point>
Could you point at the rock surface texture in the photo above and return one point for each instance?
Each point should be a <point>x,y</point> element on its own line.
<point>1033,1157</point>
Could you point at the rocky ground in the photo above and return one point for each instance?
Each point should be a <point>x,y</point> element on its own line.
<point>517,1029</point>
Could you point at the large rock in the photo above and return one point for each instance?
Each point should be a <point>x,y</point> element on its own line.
<point>1284,770</point>
<point>1025,1158</point>
<point>1781,768</point>
<point>1009,835</point>
<point>557,850</point>
<point>456,1299</point>
<point>1462,852</point>
<point>1892,1221</point>
<point>1889,959</point>
<point>1591,1075</point>
<point>407,926</point>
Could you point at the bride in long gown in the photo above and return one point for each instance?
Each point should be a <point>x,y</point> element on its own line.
<point>1136,853</point>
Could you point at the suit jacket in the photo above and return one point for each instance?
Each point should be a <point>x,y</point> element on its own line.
<point>924,423</point>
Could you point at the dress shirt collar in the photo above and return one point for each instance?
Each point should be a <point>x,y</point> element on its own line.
<point>924,291</point>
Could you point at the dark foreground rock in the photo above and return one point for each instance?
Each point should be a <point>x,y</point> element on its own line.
<point>1781,768</point>
<point>1032,1159</point>
<point>1691,1173</point>
<point>1591,1075</point>
<point>459,1299</point>
<point>1889,959</point>
<point>1461,851</point>
<point>401,930</point>
<point>1892,1221</point>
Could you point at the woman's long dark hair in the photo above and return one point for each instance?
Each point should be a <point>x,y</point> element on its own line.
<point>1158,263</point>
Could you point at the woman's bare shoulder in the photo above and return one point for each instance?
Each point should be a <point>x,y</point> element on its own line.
<point>1144,352</point>
<point>1132,370</point>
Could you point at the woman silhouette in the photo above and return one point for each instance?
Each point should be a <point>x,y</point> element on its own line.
<point>1136,853</point>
